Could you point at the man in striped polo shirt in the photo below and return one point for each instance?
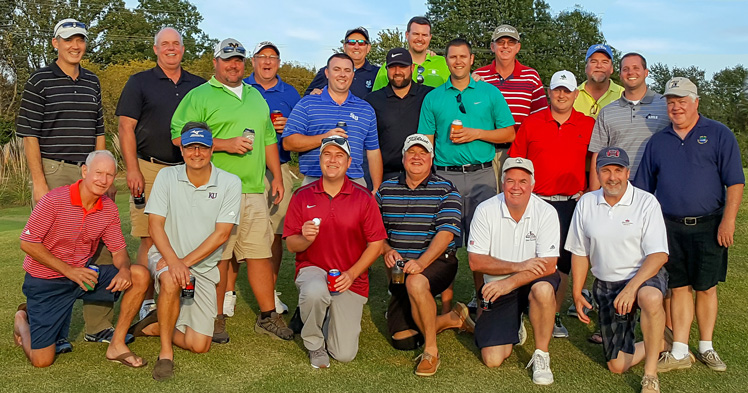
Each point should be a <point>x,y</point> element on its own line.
<point>315,117</point>
<point>61,120</point>
<point>421,213</point>
<point>59,239</point>
<point>520,85</point>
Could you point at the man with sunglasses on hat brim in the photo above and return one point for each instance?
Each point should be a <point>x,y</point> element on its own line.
<point>357,45</point>
<point>421,213</point>
<point>598,90</point>
<point>61,120</point>
<point>192,210</point>
<point>619,231</point>
<point>245,145</point>
<point>429,68</point>
<point>333,223</point>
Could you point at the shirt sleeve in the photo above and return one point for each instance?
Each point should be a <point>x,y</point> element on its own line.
<point>646,176</point>
<point>130,102</point>
<point>112,236</point>
<point>480,229</point>
<point>549,233</point>
<point>31,112</point>
<point>230,207</point>
<point>600,135</point>
<point>654,234</point>
<point>730,163</point>
<point>539,100</point>
<point>319,81</point>
<point>41,220</point>
<point>449,216</point>
<point>158,200</point>
<point>502,115</point>
<point>293,221</point>
<point>270,134</point>
<point>381,79</point>
<point>427,118</point>
<point>100,116</point>
<point>576,241</point>
<point>297,120</point>
<point>372,137</point>
<point>373,225</point>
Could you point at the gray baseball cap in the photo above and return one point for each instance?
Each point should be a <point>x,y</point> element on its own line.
<point>680,87</point>
<point>518,162</point>
<point>69,27</point>
<point>229,48</point>
<point>505,31</point>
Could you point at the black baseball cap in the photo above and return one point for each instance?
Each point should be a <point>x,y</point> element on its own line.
<point>399,56</point>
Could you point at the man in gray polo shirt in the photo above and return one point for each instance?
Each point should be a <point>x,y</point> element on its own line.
<point>191,211</point>
<point>631,120</point>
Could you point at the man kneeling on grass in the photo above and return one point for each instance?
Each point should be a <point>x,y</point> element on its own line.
<point>192,209</point>
<point>59,239</point>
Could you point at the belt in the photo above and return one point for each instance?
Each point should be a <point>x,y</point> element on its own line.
<point>157,161</point>
<point>555,198</point>
<point>465,168</point>
<point>76,163</point>
<point>503,145</point>
<point>690,221</point>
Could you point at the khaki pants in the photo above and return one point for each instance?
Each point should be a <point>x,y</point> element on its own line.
<point>138,218</point>
<point>498,163</point>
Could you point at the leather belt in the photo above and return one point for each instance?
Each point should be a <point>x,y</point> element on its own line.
<point>76,163</point>
<point>555,198</point>
<point>157,161</point>
<point>465,168</point>
<point>690,221</point>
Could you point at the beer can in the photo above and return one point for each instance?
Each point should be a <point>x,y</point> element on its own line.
<point>332,277</point>
<point>249,134</point>
<point>96,269</point>
<point>343,125</point>
<point>275,115</point>
<point>139,201</point>
<point>486,304</point>
<point>456,125</point>
<point>188,292</point>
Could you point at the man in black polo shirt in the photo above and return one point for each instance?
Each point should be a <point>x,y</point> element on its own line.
<point>398,107</point>
<point>61,120</point>
<point>145,107</point>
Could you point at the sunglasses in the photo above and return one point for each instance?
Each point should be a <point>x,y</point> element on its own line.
<point>459,101</point>
<point>73,24</point>
<point>339,140</point>
<point>354,42</point>
<point>232,49</point>
<point>419,77</point>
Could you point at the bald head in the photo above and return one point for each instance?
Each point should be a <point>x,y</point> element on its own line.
<point>171,32</point>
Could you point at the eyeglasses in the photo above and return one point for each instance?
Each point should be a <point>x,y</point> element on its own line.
<point>196,147</point>
<point>459,101</point>
<point>419,77</point>
<point>354,42</point>
<point>263,57</point>
<point>72,24</point>
<point>231,49</point>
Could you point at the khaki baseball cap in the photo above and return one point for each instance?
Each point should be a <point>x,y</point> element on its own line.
<point>680,87</point>
<point>518,162</point>
<point>505,31</point>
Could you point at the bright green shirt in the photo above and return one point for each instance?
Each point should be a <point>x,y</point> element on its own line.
<point>435,73</point>
<point>588,106</point>
<point>485,109</point>
<point>228,117</point>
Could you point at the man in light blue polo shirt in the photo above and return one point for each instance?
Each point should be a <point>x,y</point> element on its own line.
<point>316,117</point>
<point>464,156</point>
<point>192,209</point>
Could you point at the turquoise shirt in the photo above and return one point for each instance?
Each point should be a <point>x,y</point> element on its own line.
<point>485,109</point>
<point>435,73</point>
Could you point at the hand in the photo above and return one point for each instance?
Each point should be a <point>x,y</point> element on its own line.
<point>495,289</point>
<point>725,233</point>
<point>536,266</point>
<point>179,272</point>
<point>580,303</point>
<point>121,281</point>
<point>413,267</point>
<point>40,190</point>
<point>238,145</point>
<point>464,135</point>
<point>337,131</point>
<point>343,282</point>
<point>315,92</point>
<point>135,182</point>
<point>276,187</point>
<point>309,231</point>
<point>476,77</point>
<point>81,276</point>
<point>432,53</point>
<point>390,257</point>
<point>624,302</point>
<point>279,124</point>
<point>111,192</point>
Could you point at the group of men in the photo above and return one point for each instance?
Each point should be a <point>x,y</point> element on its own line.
<point>209,161</point>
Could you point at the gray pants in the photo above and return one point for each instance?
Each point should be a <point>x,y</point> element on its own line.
<point>475,187</point>
<point>334,320</point>
<point>310,179</point>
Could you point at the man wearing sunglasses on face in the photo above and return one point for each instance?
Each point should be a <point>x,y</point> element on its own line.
<point>357,46</point>
<point>245,144</point>
<point>333,223</point>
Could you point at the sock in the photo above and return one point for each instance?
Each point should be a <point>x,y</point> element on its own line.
<point>541,352</point>
<point>232,293</point>
<point>266,314</point>
<point>705,346</point>
<point>680,350</point>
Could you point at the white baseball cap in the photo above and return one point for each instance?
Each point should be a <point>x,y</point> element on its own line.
<point>564,79</point>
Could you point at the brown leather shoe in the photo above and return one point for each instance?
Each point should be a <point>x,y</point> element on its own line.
<point>427,365</point>
<point>463,313</point>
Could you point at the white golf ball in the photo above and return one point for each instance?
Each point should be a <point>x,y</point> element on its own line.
<point>316,221</point>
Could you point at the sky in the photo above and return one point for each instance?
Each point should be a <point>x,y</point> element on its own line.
<point>711,35</point>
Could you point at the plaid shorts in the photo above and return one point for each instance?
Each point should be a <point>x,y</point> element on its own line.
<point>618,330</point>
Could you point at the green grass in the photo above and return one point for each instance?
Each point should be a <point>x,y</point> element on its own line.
<point>251,362</point>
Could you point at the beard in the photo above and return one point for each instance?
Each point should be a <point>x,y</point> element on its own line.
<point>405,82</point>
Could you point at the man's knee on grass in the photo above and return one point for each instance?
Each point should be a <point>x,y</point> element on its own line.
<point>495,356</point>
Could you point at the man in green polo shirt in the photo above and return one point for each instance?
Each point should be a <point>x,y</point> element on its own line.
<point>598,90</point>
<point>244,144</point>
<point>464,156</point>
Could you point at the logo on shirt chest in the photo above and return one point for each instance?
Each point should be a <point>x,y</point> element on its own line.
<point>530,237</point>
<point>626,222</point>
<point>212,195</point>
<point>702,140</point>
<point>368,84</point>
<point>353,116</point>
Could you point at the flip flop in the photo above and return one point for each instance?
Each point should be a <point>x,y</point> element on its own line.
<point>122,359</point>
<point>137,328</point>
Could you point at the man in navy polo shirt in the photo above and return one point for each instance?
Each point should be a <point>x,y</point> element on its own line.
<point>281,97</point>
<point>356,45</point>
<point>333,224</point>
<point>694,169</point>
<point>315,117</point>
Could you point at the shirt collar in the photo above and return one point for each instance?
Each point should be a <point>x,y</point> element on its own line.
<point>367,66</point>
<point>346,189</point>
<point>215,83</point>
<point>182,176</point>
<point>326,97</point>
<point>647,99</point>
<point>253,82</point>
<point>626,200</point>
<point>573,118</point>
<point>75,198</point>
<point>448,84</point>
<point>516,73</point>
<point>183,75</point>
<point>390,92</point>
<point>423,184</point>
<point>505,209</point>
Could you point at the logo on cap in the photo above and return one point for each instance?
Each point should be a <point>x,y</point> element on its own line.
<point>673,84</point>
<point>613,153</point>
<point>518,160</point>
<point>196,133</point>
<point>562,77</point>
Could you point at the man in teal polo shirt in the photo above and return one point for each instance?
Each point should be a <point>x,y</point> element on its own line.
<point>465,156</point>
<point>244,143</point>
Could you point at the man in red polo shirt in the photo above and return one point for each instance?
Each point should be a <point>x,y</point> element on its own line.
<point>556,141</point>
<point>59,240</point>
<point>333,223</point>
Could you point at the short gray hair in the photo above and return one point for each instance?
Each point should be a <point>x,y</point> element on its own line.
<point>693,97</point>
<point>106,153</point>
<point>155,37</point>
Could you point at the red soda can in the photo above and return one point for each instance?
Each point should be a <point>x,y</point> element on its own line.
<point>332,277</point>
<point>275,114</point>
<point>188,292</point>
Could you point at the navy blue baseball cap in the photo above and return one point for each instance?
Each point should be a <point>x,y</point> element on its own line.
<point>197,135</point>
<point>599,48</point>
<point>612,156</point>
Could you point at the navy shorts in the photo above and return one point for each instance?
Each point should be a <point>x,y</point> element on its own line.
<point>500,324</point>
<point>565,210</point>
<point>696,258</point>
<point>50,302</point>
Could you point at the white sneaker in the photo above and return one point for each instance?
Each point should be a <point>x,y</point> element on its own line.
<point>148,306</point>
<point>522,333</point>
<point>280,307</point>
<point>541,368</point>
<point>229,303</point>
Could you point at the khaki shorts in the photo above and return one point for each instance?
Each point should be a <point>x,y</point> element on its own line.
<point>498,163</point>
<point>138,218</point>
<point>252,238</point>
<point>278,212</point>
<point>57,174</point>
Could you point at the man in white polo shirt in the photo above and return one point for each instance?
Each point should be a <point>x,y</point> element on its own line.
<point>620,231</point>
<point>191,211</point>
<point>514,243</point>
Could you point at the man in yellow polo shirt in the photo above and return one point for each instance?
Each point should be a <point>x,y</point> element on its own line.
<point>598,90</point>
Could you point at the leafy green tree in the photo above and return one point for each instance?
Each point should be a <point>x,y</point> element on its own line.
<point>181,15</point>
<point>386,40</point>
